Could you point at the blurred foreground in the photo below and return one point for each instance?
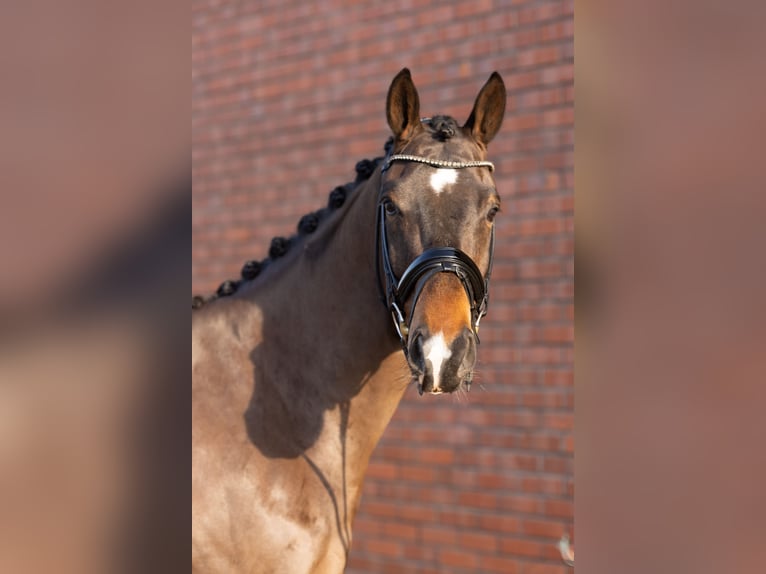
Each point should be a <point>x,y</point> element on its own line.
<point>94,240</point>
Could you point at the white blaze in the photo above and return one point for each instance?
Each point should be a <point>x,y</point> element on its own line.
<point>441,178</point>
<point>436,351</point>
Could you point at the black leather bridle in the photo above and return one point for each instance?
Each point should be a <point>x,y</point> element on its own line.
<point>432,261</point>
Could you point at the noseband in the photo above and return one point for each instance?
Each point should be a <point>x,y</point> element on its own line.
<point>432,261</point>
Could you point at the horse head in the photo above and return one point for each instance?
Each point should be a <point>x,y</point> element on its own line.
<point>436,211</point>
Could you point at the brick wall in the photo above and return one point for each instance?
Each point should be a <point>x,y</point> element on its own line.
<point>287,96</point>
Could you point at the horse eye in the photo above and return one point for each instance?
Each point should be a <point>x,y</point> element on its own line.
<point>492,213</point>
<point>389,207</point>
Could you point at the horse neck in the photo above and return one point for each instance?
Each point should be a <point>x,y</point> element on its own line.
<point>335,337</point>
<point>333,287</point>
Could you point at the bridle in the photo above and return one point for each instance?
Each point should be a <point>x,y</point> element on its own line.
<point>396,292</point>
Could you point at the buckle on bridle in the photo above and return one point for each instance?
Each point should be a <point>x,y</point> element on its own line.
<point>402,329</point>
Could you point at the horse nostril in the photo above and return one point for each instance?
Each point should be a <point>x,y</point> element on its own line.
<point>416,352</point>
<point>467,344</point>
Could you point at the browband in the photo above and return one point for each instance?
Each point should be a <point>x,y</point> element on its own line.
<point>435,162</point>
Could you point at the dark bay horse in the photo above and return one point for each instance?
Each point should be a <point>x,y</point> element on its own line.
<point>297,368</point>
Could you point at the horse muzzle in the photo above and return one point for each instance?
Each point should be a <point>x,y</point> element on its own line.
<point>441,366</point>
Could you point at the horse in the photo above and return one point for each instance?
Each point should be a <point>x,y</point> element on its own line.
<point>297,368</point>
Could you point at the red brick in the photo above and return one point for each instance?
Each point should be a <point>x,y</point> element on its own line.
<point>381,470</point>
<point>438,535</point>
<point>364,526</point>
<point>458,559</point>
<point>543,528</point>
<point>499,564</point>
<point>520,504</point>
<point>560,508</point>
<point>478,541</point>
<point>559,421</point>
<point>522,547</point>
<point>416,513</point>
<point>557,465</point>
<point>383,547</point>
<point>465,9</point>
<point>478,499</point>
<point>537,56</point>
<point>417,473</point>
<point>501,523</point>
<point>398,530</point>
<point>541,568</point>
<point>463,517</point>
<point>435,455</point>
<point>381,509</point>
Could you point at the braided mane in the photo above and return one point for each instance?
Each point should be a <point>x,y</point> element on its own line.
<point>307,225</point>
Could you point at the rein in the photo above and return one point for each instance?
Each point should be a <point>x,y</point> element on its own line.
<point>432,261</point>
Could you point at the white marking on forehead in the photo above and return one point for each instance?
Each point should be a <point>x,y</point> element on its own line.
<point>441,178</point>
<point>436,351</point>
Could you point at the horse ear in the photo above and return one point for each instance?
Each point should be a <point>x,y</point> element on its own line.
<point>403,106</point>
<point>487,114</point>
